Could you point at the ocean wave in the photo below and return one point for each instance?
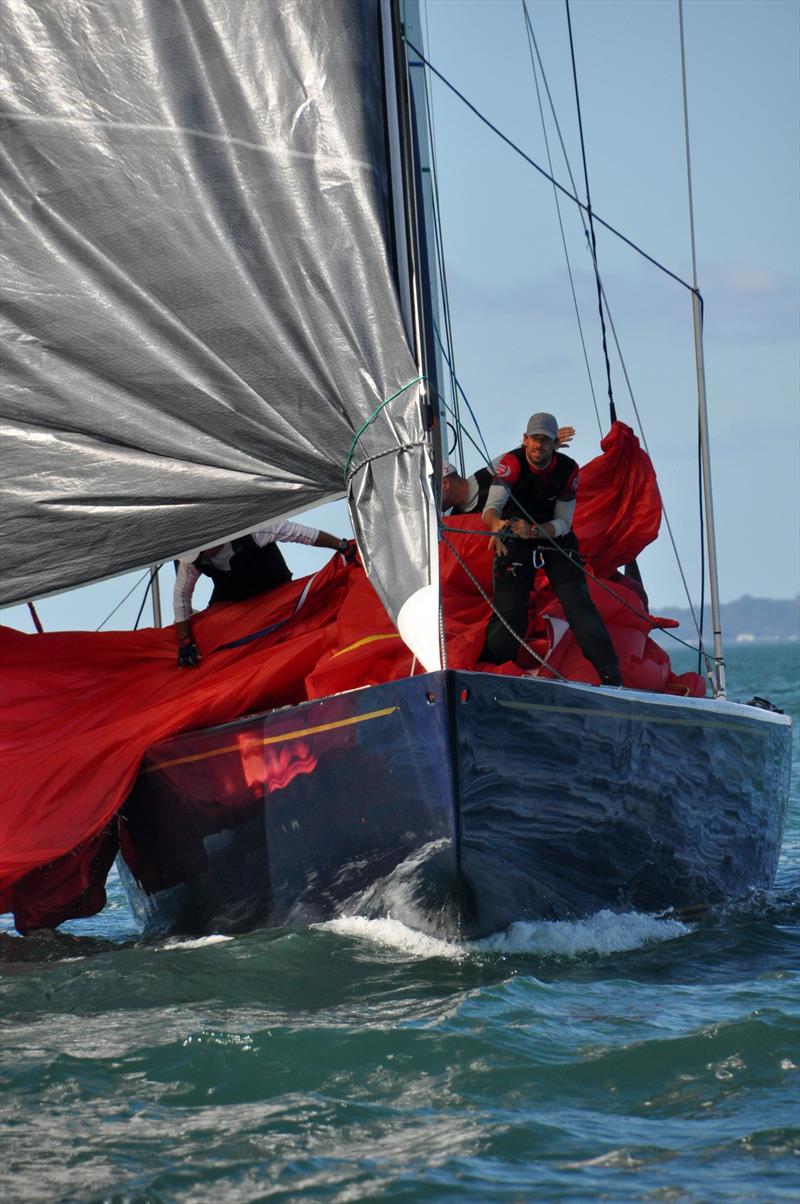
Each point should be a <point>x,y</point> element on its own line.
<point>199,942</point>
<point>603,933</point>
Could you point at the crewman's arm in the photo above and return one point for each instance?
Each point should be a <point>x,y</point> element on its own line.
<point>186,578</point>
<point>289,532</point>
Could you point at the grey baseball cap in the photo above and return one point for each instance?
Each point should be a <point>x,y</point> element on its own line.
<point>542,424</point>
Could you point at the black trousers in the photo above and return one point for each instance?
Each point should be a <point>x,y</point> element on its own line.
<point>513,580</point>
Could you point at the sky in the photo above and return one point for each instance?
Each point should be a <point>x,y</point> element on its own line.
<point>516,339</point>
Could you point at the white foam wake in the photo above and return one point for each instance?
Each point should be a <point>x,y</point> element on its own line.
<point>393,934</point>
<point>198,942</point>
<point>605,932</point>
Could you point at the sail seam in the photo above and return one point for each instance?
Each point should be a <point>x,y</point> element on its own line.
<point>228,139</point>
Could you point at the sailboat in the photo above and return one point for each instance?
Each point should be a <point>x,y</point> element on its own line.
<point>223,310</point>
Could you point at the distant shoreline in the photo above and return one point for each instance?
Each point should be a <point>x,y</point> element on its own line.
<point>748,620</point>
<point>740,641</point>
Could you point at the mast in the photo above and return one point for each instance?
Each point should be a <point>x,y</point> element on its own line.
<point>708,497</point>
<point>156,588</point>
<point>409,160</point>
<point>705,454</point>
<point>409,169</point>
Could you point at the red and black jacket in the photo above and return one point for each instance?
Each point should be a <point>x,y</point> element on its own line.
<point>534,492</point>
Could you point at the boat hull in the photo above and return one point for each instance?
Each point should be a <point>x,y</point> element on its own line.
<point>460,803</point>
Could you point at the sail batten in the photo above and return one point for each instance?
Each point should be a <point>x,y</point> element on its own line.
<point>201,309</point>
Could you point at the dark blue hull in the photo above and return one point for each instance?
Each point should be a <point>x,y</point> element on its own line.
<point>459,802</point>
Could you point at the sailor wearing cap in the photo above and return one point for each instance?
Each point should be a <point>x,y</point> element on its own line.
<point>529,507</point>
<point>467,495</point>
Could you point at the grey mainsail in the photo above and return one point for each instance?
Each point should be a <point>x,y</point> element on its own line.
<point>201,319</point>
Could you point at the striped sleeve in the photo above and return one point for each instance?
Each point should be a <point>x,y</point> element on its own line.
<point>285,532</point>
<point>185,580</point>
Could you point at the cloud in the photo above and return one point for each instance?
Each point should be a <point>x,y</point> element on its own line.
<point>748,280</point>
<point>751,305</point>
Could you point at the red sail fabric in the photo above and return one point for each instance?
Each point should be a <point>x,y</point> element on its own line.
<point>78,710</point>
<point>619,505</point>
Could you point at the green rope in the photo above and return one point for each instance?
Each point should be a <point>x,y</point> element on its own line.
<point>417,380</point>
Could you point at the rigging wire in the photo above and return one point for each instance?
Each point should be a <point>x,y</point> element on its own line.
<point>601,296</point>
<point>609,315</point>
<point>702,538</point>
<point>440,255</point>
<point>532,162</point>
<point>122,602</point>
<point>635,610</point>
<point>520,639</point>
<point>562,552</point>
<point>693,248</point>
<point>484,451</point>
<point>581,208</point>
<point>531,45</point>
<point>144,599</point>
<point>693,289</point>
<point>664,511</point>
<point>593,243</point>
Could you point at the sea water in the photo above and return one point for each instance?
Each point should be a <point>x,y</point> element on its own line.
<point>624,1057</point>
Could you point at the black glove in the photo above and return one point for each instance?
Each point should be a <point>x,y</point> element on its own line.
<point>348,549</point>
<point>188,654</point>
